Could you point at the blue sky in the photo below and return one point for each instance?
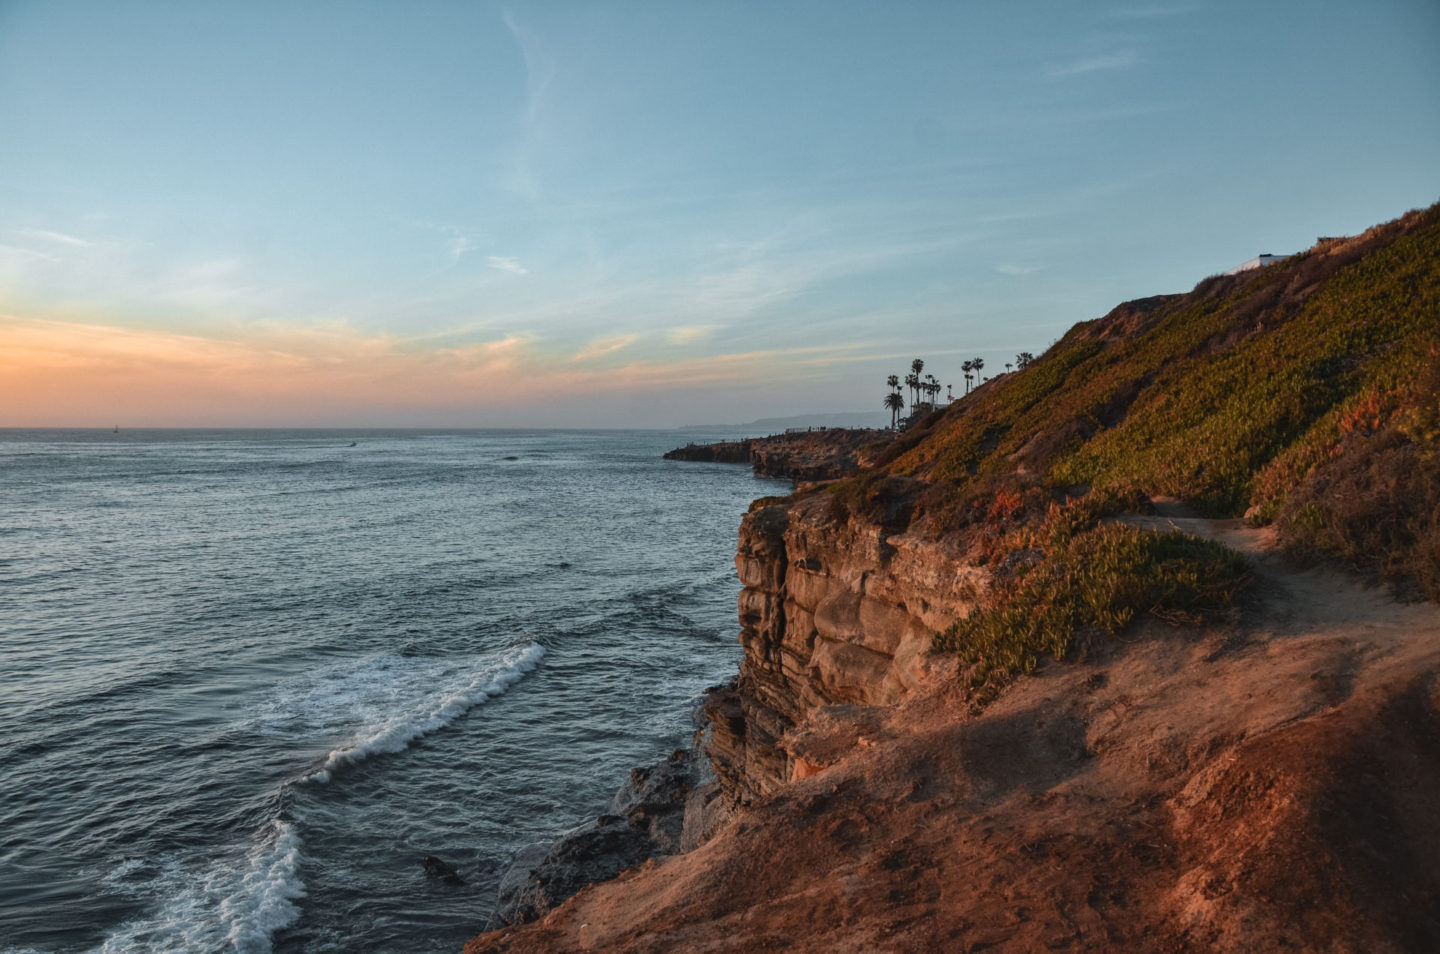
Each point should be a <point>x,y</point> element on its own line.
<point>613,214</point>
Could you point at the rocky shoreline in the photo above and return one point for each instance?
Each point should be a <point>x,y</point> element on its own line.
<point>1094,807</point>
<point>673,806</point>
<point>665,808</point>
<point>810,455</point>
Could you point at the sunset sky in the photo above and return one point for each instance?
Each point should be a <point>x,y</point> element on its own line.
<point>648,213</point>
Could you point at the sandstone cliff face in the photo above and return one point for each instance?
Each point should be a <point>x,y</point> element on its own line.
<point>834,611</point>
<point>837,615</point>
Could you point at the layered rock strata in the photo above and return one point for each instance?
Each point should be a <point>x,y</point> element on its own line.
<point>836,617</point>
<point>835,611</point>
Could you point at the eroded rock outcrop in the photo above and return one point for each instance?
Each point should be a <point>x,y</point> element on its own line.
<point>824,454</point>
<point>837,615</point>
<point>835,610</point>
<point>646,818</point>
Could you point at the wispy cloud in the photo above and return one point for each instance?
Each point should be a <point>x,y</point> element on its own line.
<point>689,334</point>
<point>127,277</point>
<point>601,347</point>
<point>1017,270</point>
<point>214,285</point>
<point>83,372</point>
<point>1103,63</point>
<point>459,245</point>
<point>18,255</point>
<point>505,263</point>
<point>539,73</point>
<point>46,235</point>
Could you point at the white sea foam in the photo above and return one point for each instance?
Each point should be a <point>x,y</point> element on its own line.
<point>236,904</point>
<point>395,700</point>
<point>233,905</point>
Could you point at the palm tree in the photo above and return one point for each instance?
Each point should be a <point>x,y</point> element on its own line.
<point>894,382</point>
<point>932,387</point>
<point>977,364</point>
<point>894,402</point>
<point>912,381</point>
<point>1024,359</point>
<point>967,367</point>
<point>949,392</point>
<point>916,367</point>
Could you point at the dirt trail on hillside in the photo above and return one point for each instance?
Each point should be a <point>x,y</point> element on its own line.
<point>1272,784</point>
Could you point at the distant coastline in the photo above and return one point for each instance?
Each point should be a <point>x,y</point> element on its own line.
<point>851,419</point>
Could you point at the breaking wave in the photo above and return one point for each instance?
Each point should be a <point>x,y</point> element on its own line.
<point>234,905</point>
<point>399,700</point>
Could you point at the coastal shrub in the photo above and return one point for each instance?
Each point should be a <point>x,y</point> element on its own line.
<point>1376,505</point>
<point>1335,331</point>
<point>1101,577</point>
<point>993,502</point>
<point>874,496</point>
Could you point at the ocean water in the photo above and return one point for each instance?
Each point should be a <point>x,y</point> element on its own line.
<point>248,679</point>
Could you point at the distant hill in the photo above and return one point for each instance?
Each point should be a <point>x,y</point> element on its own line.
<point>836,419</point>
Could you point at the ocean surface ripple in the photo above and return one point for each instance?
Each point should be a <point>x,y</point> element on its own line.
<point>248,679</point>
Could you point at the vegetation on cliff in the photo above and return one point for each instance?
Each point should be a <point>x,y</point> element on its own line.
<point>1075,575</point>
<point>1303,394</point>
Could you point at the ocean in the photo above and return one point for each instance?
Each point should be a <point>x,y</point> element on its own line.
<point>249,679</point>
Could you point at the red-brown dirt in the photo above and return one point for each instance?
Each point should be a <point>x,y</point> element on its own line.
<point>1272,784</point>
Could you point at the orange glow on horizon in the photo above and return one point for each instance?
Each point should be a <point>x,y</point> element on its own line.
<point>75,374</point>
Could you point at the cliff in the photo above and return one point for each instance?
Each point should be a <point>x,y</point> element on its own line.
<point>809,455</point>
<point>1119,653</point>
<point>1266,785</point>
<point>833,611</point>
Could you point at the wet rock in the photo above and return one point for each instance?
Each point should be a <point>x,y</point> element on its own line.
<point>647,817</point>
<point>436,868</point>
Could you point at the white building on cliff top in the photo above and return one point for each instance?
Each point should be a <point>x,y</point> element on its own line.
<point>1259,262</point>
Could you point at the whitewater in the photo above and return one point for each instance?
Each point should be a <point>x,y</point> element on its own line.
<point>248,680</point>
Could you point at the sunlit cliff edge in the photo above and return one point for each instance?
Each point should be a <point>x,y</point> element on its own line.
<point>1010,687</point>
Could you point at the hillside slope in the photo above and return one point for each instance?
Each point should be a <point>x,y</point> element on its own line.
<point>1096,658</point>
<point>1303,393</point>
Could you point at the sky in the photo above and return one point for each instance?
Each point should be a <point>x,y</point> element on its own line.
<point>650,214</point>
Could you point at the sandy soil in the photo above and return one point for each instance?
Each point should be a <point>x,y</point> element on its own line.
<point>1272,784</point>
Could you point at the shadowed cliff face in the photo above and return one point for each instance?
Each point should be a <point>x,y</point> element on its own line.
<point>834,611</point>
<point>805,455</point>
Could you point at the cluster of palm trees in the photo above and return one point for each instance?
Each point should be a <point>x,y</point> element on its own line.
<point>894,403</point>
<point>927,387</point>
<point>924,391</point>
<point>972,372</point>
